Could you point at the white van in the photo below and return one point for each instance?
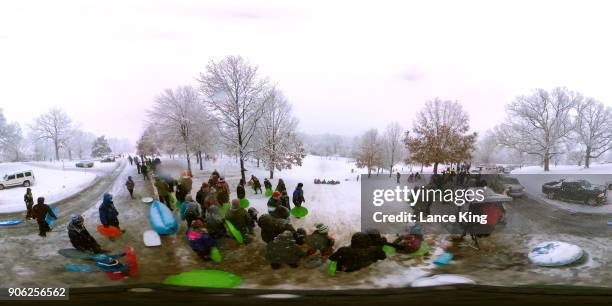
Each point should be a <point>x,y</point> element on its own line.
<point>22,178</point>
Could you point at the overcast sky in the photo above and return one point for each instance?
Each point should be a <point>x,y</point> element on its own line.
<point>345,65</point>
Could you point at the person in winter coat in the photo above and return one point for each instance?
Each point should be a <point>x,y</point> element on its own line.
<point>215,223</point>
<point>137,162</point>
<point>80,237</point>
<point>255,184</point>
<point>409,243</point>
<point>144,169</point>
<point>214,178</point>
<point>193,210</point>
<point>398,176</point>
<point>184,187</point>
<point>267,184</point>
<point>163,191</point>
<point>280,187</point>
<point>284,250</point>
<point>240,192</point>
<point>200,240</point>
<point>129,184</point>
<point>223,192</point>
<point>272,227</point>
<point>285,200</point>
<point>202,195</point>
<point>130,159</point>
<point>298,195</point>
<point>252,217</point>
<point>240,218</point>
<point>359,255</point>
<point>28,199</point>
<point>320,241</point>
<point>39,211</point>
<point>276,208</point>
<point>108,212</point>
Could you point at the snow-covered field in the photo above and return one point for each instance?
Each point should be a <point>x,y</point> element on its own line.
<point>51,182</point>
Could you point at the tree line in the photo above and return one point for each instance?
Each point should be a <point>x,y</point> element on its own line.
<point>232,109</point>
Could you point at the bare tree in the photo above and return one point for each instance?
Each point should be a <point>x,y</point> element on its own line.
<point>281,147</point>
<point>369,151</point>
<point>175,115</point>
<point>538,123</point>
<point>55,126</point>
<point>393,145</point>
<point>593,129</point>
<point>440,134</point>
<point>234,92</point>
<point>11,139</point>
<point>486,148</point>
<point>148,143</point>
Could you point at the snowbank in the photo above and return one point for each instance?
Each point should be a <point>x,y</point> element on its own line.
<point>52,184</point>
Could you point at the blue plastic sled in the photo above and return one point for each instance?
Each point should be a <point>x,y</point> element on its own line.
<point>81,268</point>
<point>49,219</point>
<point>443,259</point>
<point>162,219</point>
<point>10,222</point>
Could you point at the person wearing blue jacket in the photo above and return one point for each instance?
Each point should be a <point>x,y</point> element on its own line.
<point>298,195</point>
<point>108,212</point>
<point>200,240</point>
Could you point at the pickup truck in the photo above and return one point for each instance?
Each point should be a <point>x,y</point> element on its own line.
<point>576,191</point>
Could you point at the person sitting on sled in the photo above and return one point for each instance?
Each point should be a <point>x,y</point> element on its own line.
<point>80,237</point>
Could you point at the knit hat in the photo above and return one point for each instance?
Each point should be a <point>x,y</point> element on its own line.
<point>321,228</point>
<point>276,194</point>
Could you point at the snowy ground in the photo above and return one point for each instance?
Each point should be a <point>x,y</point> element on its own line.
<point>54,180</point>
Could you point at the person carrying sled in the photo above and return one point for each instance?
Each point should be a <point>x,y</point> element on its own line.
<point>80,237</point>
<point>129,184</point>
<point>200,240</point>
<point>39,211</point>
<point>239,217</point>
<point>28,199</point>
<point>256,184</point>
<point>267,184</point>
<point>298,195</point>
<point>108,212</point>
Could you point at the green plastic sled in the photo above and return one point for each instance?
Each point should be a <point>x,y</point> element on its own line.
<point>204,278</point>
<point>299,212</point>
<point>331,268</point>
<point>235,232</point>
<point>244,203</point>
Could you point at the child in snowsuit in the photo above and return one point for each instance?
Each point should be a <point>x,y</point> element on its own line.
<point>80,237</point>
<point>200,240</point>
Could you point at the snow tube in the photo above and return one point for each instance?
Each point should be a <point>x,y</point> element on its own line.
<point>234,231</point>
<point>444,259</point>
<point>130,255</point>
<point>204,278</point>
<point>109,232</point>
<point>162,220</point>
<point>299,212</point>
<point>331,268</point>
<point>423,250</point>
<point>10,222</point>
<point>151,238</point>
<point>80,268</point>
<point>441,279</point>
<point>50,220</point>
<point>555,254</point>
<point>389,250</point>
<point>244,203</point>
<point>215,255</point>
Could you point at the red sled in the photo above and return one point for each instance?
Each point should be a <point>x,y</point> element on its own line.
<point>109,232</point>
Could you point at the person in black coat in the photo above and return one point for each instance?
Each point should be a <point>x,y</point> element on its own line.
<point>108,212</point>
<point>280,187</point>
<point>80,237</point>
<point>40,210</point>
<point>240,192</point>
<point>256,184</point>
<point>28,198</point>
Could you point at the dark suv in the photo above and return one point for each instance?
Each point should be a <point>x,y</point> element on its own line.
<point>576,191</point>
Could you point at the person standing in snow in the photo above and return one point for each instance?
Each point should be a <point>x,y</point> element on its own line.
<point>130,159</point>
<point>222,192</point>
<point>276,207</point>
<point>129,184</point>
<point>285,200</point>
<point>28,198</point>
<point>215,223</point>
<point>108,212</point>
<point>202,196</point>
<point>267,184</point>
<point>240,192</point>
<point>137,162</point>
<point>280,187</point>
<point>256,184</point>
<point>193,210</point>
<point>40,210</point>
<point>298,195</point>
<point>272,227</point>
<point>80,237</point>
<point>162,191</point>
<point>144,169</point>
<point>240,218</point>
<point>398,175</point>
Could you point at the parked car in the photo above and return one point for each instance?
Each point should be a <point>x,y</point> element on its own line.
<point>575,190</point>
<point>108,159</point>
<point>84,164</point>
<point>22,178</point>
<point>514,187</point>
